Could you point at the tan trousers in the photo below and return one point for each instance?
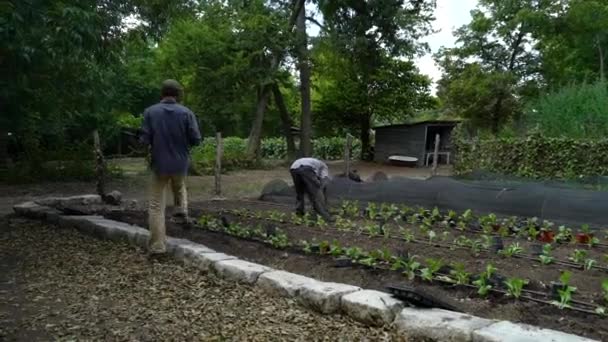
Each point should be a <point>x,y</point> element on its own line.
<point>157,205</point>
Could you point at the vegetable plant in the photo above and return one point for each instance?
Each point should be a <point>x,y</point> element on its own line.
<point>432,235</point>
<point>407,235</point>
<point>461,275</point>
<point>578,256</point>
<point>515,286</point>
<point>565,293</point>
<point>354,253</point>
<point>336,249</point>
<point>278,240</point>
<point>483,287</point>
<point>605,289</point>
<point>409,266</point>
<point>564,234</point>
<point>545,257</point>
<point>436,214</point>
<point>476,247</point>
<point>372,211</point>
<point>588,264</point>
<point>512,249</point>
<point>433,266</point>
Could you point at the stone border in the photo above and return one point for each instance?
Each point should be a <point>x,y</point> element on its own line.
<point>367,306</point>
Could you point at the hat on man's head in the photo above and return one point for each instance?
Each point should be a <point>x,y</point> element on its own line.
<point>171,88</point>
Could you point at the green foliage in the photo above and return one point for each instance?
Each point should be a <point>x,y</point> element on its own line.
<point>578,111</point>
<point>515,286</point>
<point>533,156</point>
<point>565,293</point>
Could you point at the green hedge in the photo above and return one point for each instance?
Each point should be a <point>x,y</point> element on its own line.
<point>532,156</point>
<point>203,157</point>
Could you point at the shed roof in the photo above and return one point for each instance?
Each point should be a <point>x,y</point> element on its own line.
<point>453,122</point>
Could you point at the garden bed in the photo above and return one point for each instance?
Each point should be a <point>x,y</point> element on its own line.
<point>356,251</point>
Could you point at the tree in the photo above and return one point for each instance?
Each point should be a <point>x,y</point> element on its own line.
<point>493,68</point>
<point>396,90</point>
<point>368,34</point>
<point>573,41</point>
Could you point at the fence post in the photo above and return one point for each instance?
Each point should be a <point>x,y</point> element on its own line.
<point>347,150</point>
<point>99,164</point>
<point>219,150</point>
<point>435,154</point>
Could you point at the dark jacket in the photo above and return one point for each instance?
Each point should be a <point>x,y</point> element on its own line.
<point>171,130</point>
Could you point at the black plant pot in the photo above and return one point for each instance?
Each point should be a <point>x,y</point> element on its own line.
<point>497,244</point>
<point>343,262</point>
<point>555,287</point>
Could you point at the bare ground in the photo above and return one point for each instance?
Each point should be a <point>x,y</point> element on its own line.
<point>56,284</point>
<point>235,185</point>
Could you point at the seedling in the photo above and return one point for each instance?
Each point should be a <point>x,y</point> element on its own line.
<point>350,208</point>
<point>324,247</point>
<point>407,235</point>
<point>589,263</point>
<point>512,249</point>
<point>515,286</point>
<point>445,236</point>
<point>354,253</point>
<point>432,235</point>
<point>278,240</point>
<point>476,247</point>
<point>545,259</point>
<point>297,219</point>
<point>343,224</point>
<point>564,234</point>
<point>600,310</point>
<point>336,249</point>
<point>593,241</point>
<point>605,289</point>
<point>483,288</point>
<point>321,222</point>
<point>461,275</point>
<point>433,265</point>
<point>373,229</point>
<point>411,266</point>
<point>467,216</point>
<point>306,246</point>
<point>372,211</point>
<point>578,256</point>
<point>462,241</point>
<point>436,214</point>
<point>565,293</point>
<point>277,216</point>
<point>368,261</point>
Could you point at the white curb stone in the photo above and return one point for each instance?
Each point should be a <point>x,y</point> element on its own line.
<point>324,297</point>
<point>187,252</point>
<point>371,307</point>
<point>72,200</point>
<point>505,331</point>
<point>81,223</point>
<point>439,325</point>
<point>283,283</point>
<point>240,270</point>
<point>33,210</point>
<point>204,261</point>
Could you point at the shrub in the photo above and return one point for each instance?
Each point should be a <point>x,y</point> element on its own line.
<point>203,157</point>
<point>576,111</point>
<point>532,156</point>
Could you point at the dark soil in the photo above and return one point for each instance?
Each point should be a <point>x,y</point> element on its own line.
<point>463,299</point>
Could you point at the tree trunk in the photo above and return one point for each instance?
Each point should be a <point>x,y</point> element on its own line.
<point>365,148</point>
<point>302,48</point>
<point>3,149</point>
<point>255,136</point>
<point>285,121</point>
<point>599,48</point>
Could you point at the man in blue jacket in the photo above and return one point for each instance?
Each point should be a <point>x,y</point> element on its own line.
<point>170,130</point>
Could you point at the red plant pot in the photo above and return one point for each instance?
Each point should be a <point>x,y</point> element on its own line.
<point>583,237</point>
<point>546,236</point>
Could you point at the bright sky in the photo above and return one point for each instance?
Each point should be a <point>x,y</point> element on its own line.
<point>450,15</point>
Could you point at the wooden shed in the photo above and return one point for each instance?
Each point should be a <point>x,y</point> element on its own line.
<point>414,140</point>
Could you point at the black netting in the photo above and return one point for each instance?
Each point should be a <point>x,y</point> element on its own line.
<point>560,202</point>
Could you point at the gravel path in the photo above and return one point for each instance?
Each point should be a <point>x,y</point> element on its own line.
<point>56,284</point>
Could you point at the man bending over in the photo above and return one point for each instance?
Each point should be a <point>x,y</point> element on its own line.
<point>310,177</point>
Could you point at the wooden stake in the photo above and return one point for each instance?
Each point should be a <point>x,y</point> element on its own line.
<point>435,154</point>
<point>218,164</point>
<point>347,148</point>
<point>99,164</point>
